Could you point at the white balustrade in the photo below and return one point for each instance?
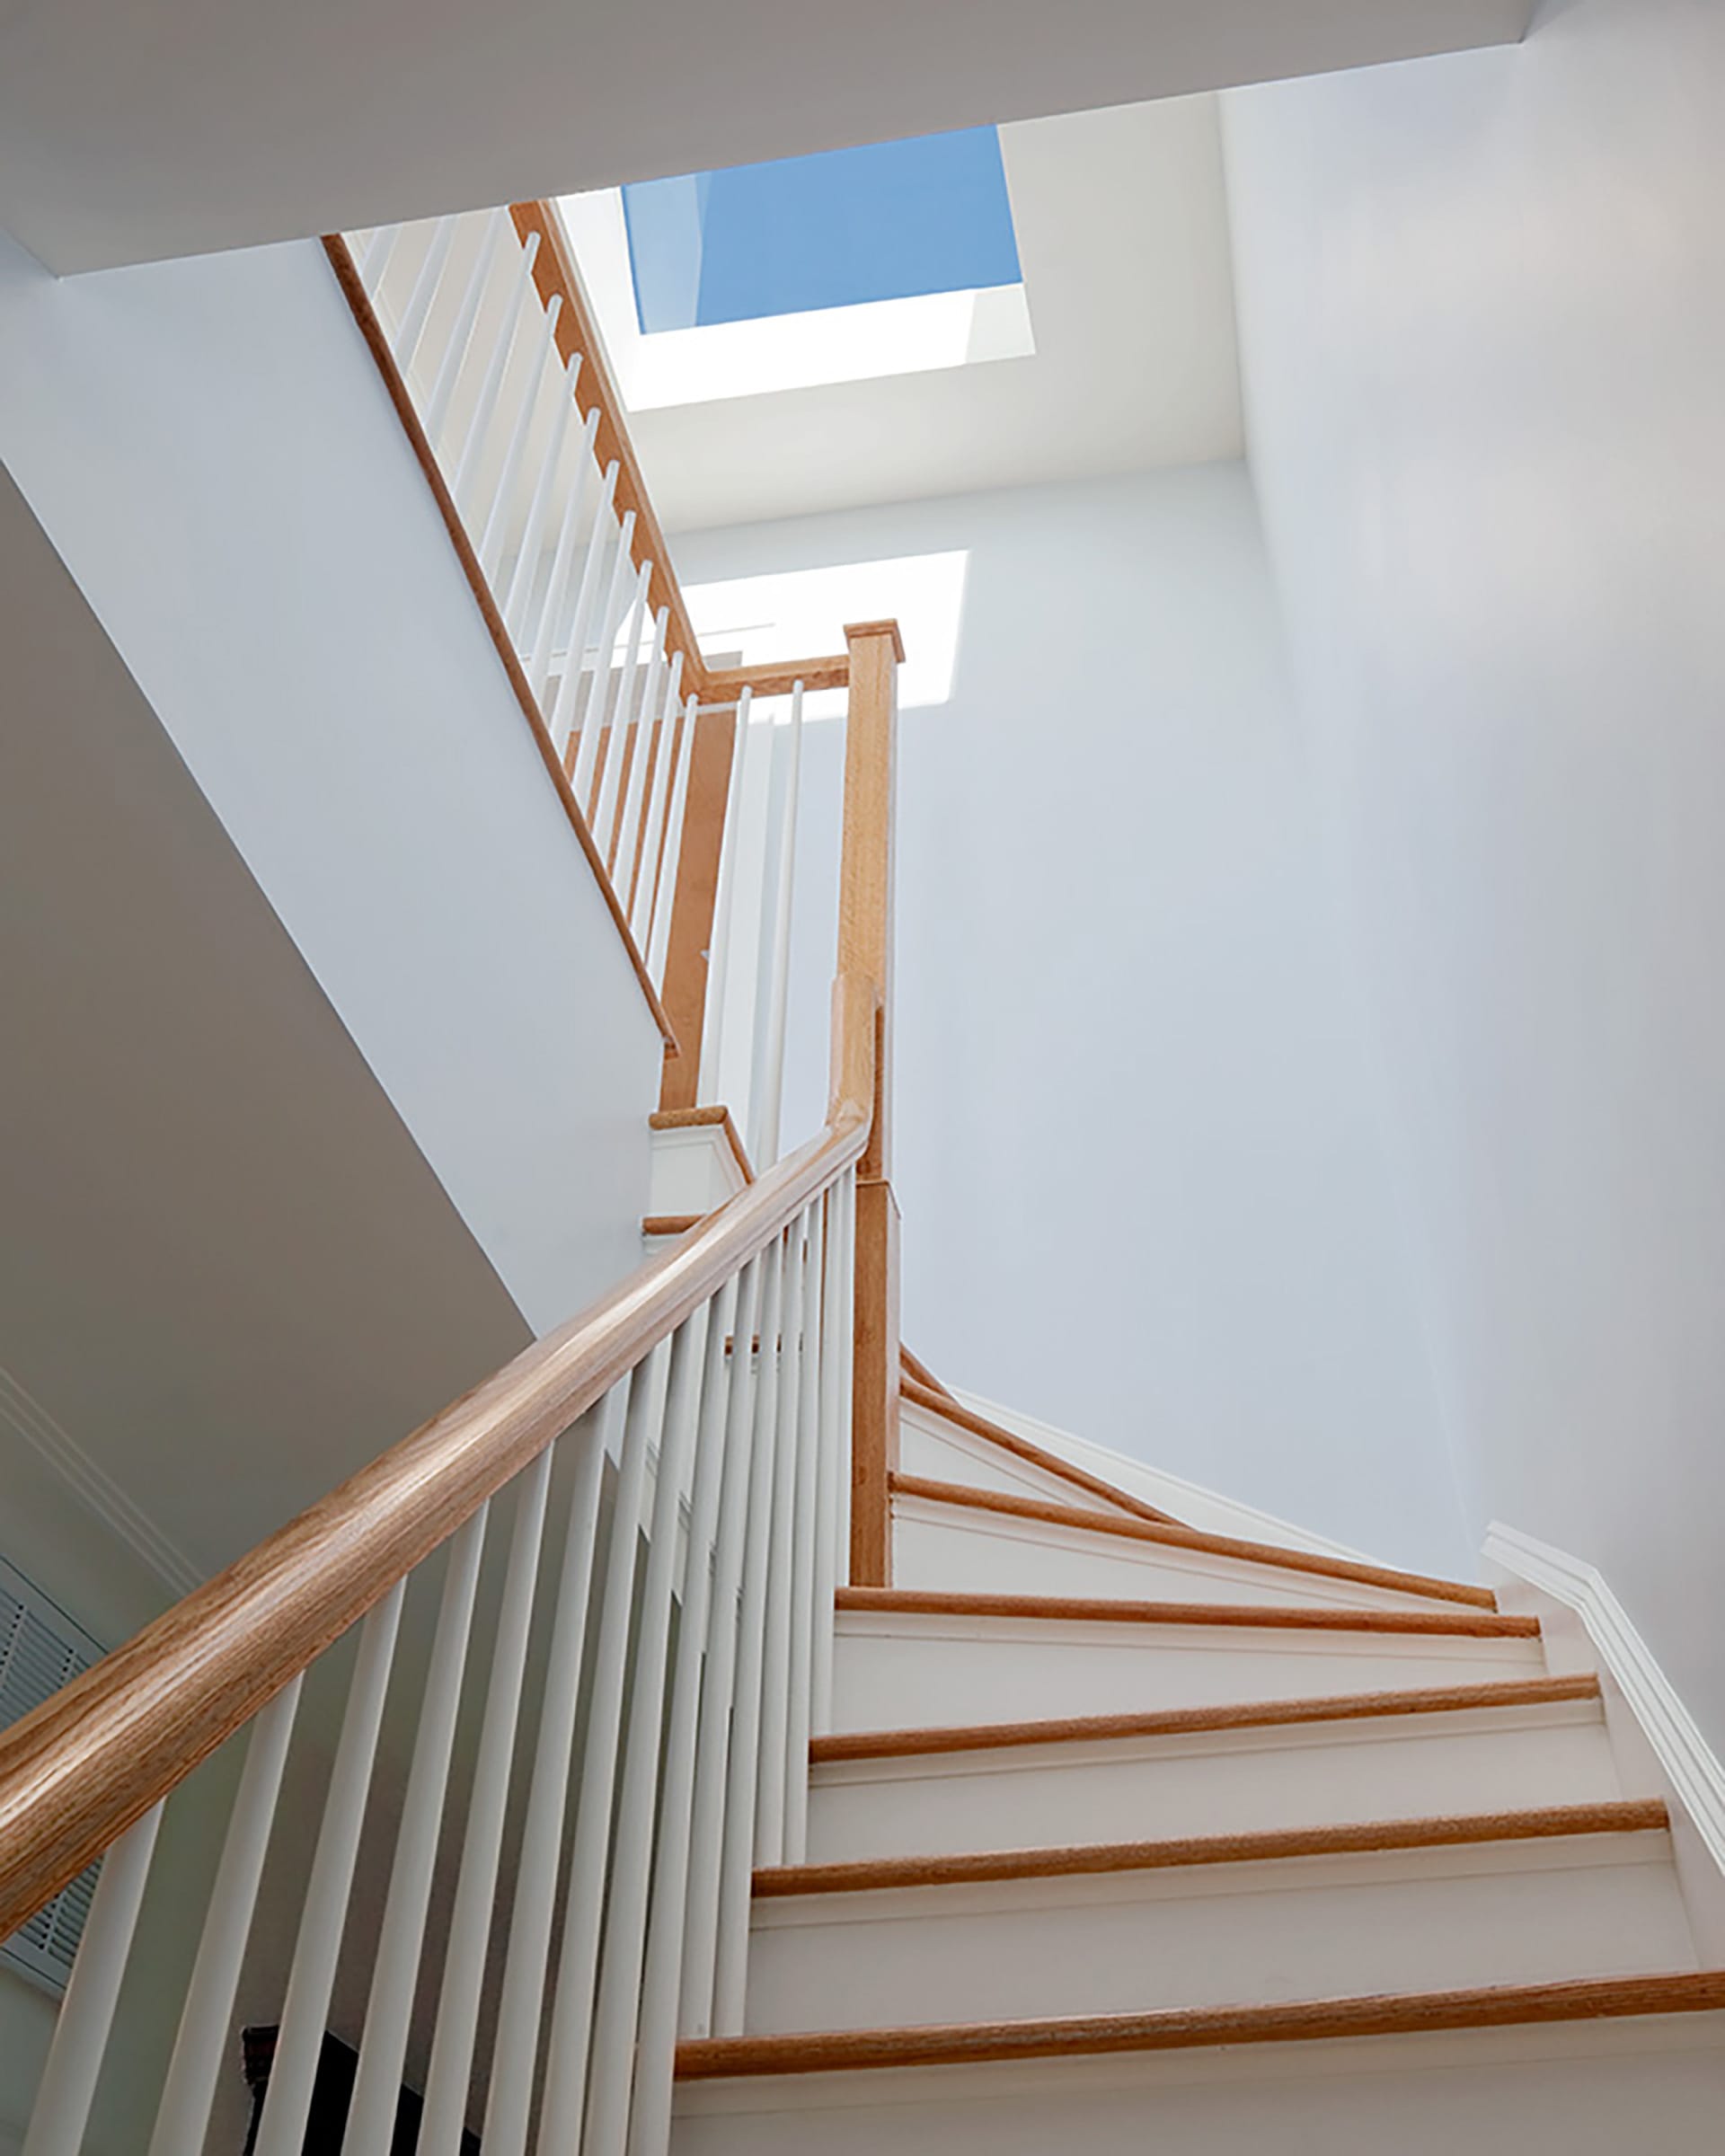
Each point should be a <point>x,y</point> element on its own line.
<point>687,1631</point>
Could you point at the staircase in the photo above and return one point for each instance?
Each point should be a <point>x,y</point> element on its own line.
<point>1126,1834</point>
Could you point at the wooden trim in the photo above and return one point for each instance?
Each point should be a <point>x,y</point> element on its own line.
<point>1183,2028</point>
<point>670,1224</point>
<point>919,1374</point>
<point>725,684</point>
<point>964,1495</point>
<point>866,935</point>
<point>88,1762</point>
<point>1074,1609</point>
<point>353,290</point>
<point>865,874</point>
<point>874,1421</point>
<point>555,274</point>
<point>706,1118</point>
<point>1187,1721</point>
<point>950,1410</point>
<point>885,1875</point>
<point>687,950</point>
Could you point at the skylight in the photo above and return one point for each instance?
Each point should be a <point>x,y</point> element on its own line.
<point>894,220</point>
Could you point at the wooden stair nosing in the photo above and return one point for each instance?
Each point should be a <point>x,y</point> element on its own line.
<point>949,1410</point>
<point>1270,1616</point>
<point>1172,1536</point>
<point>874,1874</point>
<point>1178,1721</point>
<point>1384,2014</point>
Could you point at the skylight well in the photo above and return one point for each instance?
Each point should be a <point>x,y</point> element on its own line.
<point>892,220</point>
<point>896,257</point>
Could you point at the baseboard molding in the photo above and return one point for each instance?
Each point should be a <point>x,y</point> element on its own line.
<point>97,1492</point>
<point>1695,1773</point>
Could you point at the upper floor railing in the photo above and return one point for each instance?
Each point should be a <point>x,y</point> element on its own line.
<point>678,777</point>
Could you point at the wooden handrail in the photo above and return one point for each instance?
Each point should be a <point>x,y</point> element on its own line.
<point>94,1759</point>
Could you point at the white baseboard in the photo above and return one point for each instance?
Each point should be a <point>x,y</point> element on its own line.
<point>1690,1765</point>
<point>1187,1501</point>
<point>95,1491</point>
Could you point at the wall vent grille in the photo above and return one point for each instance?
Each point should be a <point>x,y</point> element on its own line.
<point>40,1649</point>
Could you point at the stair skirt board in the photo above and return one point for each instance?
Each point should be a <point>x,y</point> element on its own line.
<point>950,1545</point>
<point>1650,2083</point>
<point>1273,1931</point>
<point>896,1666</point>
<point>1218,1780</point>
<point>947,1452</point>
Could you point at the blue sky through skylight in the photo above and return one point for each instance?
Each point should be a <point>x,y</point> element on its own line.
<point>892,220</point>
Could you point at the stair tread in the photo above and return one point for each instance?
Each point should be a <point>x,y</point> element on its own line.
<point>1169,1534</point>
<point>1174,1722</point>
<point>1394,2013</point>
<point>1448,1831</point>
<point>1114,1610</point>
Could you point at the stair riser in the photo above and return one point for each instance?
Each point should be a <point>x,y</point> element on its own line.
<point>1252,1934</point>
<point>978,1552</point>
<point>902,1671</point>
<point>1649,2087</point>
<point>1226,1781</point>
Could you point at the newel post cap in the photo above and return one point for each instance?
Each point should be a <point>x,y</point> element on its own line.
<point>855,630</point>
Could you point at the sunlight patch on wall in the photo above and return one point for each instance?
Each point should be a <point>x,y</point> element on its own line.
<point>750,619</point>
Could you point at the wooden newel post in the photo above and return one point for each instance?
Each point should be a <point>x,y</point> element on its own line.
<point>865,953</point>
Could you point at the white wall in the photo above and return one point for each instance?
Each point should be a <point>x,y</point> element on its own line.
<point>210,449</point>
<point>1143,1191</point>
<point>1483,309</point>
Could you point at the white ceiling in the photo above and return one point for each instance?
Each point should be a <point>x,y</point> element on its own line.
<point>129,131</point>
<point>1123,239</point>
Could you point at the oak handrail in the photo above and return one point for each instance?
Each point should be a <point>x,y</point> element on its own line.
<point>99,1755</point>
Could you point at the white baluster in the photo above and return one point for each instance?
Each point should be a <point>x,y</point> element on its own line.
<point>454,353</point>
<point>376,255</point>
<point>770,1076</point>
<point>551,607</point>
<point>412,326</point>
<point>649,2125</point>
<point>775,1665</point>
<point>521,300</point>
<point>582,705</point>
<point>68,2082</point>
<point>469,1925</point>
<point>560,2123</point>
<point>804,1617</point>
<point>631,817</point>
<point>611,719</point>
<point>658,934</point>
<point>615,2019</point>
<point>724,906</point>
<point>522,2002</point>
<point>737,1856</point>
<point>182,2117</point>
<point>667,737</point>
<point>692,1994</point>
<point>305,2014</point>
<point>395,1976</point>
<point>497,518</point>
<point>532,535</point>
<point>634,726</point>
